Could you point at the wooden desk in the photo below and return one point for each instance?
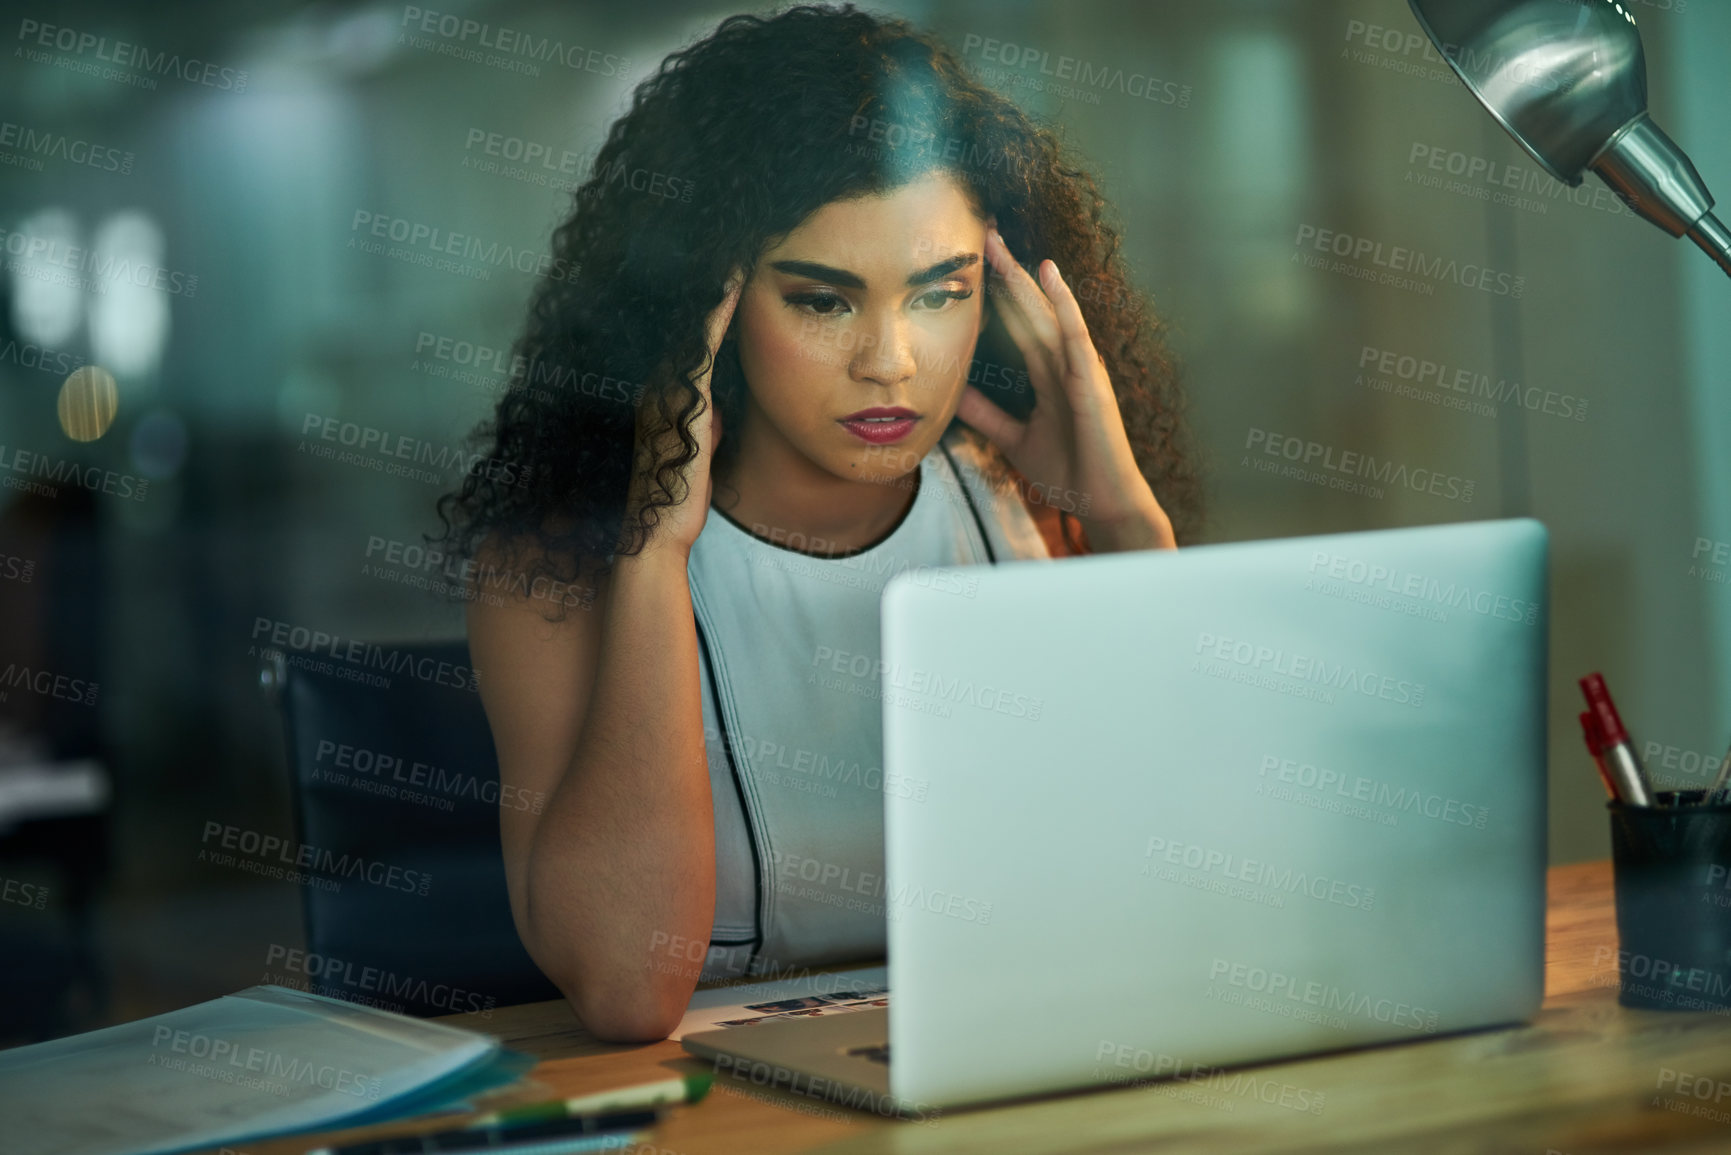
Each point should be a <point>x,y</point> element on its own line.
<point>1584,1077</point>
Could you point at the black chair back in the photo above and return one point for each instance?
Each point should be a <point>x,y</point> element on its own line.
<point>397,796</point>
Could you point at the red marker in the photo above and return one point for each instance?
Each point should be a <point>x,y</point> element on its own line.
<point>1595,748</point>
<point>1614,745</point>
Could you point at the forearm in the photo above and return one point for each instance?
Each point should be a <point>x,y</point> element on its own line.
<point>624,858</point>
<point>1147,527</point>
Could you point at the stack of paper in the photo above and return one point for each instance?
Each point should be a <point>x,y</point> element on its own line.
<point>261,1062</point>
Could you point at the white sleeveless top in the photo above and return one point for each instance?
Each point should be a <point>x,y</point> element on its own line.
<point>789,646</point>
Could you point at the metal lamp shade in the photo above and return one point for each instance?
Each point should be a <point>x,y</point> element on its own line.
<point>1568,80</point>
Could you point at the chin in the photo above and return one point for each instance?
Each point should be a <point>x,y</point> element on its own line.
<point>885,464</point>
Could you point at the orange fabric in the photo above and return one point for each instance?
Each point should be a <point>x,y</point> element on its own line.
<point>1051,526</point>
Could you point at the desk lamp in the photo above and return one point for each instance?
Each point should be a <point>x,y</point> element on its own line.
<point>1568,79</point>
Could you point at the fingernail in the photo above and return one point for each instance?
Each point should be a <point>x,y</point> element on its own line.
<point>1056,275</point>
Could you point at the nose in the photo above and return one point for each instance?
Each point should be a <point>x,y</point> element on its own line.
<point>885,355</point>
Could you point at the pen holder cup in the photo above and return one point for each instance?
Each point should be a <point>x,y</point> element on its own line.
<point>1671,865</point>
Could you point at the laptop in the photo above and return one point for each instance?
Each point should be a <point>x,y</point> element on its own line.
<point>1195,809</point>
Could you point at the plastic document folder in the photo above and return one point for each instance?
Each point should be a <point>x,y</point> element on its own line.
<point>261,1062</point>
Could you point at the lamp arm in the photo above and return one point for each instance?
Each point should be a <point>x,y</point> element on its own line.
<point>1655,178</point>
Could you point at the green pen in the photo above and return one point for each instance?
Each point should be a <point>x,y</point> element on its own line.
<point>688,1089</point>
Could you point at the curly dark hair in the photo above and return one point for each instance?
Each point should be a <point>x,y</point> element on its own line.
<point>730,145</point>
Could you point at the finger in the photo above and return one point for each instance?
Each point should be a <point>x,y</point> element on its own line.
<point>1078,346</point>
<point>722,315</point>
<point>999,427</point>
<point>654,425</point>
<point>1041,359</point>
<point>1040,353</point>
<point>1026,296</point>
<point>719,320</point>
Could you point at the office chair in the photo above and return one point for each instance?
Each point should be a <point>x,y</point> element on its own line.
<point>396,790</point>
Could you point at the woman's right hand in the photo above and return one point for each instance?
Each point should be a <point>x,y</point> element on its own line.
<point>683,521</point>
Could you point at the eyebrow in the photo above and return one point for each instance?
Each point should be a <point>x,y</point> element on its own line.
<point>835,276</point>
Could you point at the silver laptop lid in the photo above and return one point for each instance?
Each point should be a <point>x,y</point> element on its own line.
<point>1211,806</point>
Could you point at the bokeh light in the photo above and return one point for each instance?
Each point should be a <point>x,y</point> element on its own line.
<point>88,402</point>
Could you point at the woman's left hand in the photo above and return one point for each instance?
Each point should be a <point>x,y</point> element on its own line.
<point>1073,448</point>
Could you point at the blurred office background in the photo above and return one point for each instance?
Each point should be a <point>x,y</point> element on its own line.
<point>239,180</point>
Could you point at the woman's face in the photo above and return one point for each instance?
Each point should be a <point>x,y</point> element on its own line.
<point>871,304</point>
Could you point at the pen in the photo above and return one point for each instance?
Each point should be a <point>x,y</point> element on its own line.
<point>563,1132</point>
<point>688,1089</point>
<point>1591,733</point>
<point>1618,751</point>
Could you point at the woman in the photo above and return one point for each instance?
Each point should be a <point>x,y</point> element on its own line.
<point>801,337</point>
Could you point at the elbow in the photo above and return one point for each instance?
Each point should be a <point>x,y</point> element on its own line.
<point>616,1022</point>
<point>638,1014</point>
<point>618,996</point>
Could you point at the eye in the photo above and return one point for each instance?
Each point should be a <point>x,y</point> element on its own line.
<point>941,298</point>
<point>822,303</point>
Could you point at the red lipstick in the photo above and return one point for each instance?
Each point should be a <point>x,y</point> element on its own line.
<point>880,426</point>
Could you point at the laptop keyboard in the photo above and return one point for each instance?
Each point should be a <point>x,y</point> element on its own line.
<point>875,1054</point>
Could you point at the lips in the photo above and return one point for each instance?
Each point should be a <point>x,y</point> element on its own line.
<point>880,426</point>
